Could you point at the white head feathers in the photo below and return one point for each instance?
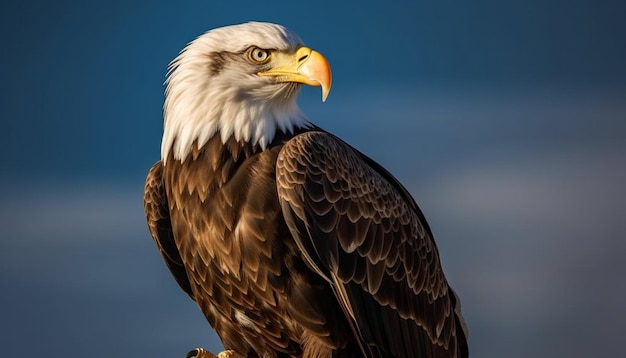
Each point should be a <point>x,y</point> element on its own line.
<point>211,89</point>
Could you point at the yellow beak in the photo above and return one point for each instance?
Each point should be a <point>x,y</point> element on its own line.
<point>303,66</point>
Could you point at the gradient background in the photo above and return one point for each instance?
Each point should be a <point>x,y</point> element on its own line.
<point>506,120</point>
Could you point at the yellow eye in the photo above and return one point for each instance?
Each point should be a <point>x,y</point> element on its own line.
<point>258,55</point>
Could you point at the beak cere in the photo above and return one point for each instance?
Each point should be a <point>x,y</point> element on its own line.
<point>303,66</point>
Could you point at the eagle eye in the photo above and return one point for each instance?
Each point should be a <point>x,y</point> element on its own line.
<point>258,55</point>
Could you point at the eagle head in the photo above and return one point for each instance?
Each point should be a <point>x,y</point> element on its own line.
<point>238,81</point>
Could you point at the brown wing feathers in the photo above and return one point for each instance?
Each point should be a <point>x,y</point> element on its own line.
<point>158,216</point>
<point>361,228</point>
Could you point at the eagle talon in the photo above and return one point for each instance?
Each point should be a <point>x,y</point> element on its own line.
<point>202,353</point>
<point>229,354</point>
<point>195,353</point>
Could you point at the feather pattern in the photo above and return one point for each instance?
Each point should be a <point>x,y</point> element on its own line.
<point>360,230</point>
<point>225,227</point>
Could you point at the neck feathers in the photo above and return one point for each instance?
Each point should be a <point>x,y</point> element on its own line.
<point>211,114</point>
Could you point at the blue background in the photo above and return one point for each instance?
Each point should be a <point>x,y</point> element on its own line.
<point>506,120</point>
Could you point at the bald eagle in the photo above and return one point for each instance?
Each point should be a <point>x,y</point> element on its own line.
<point>291,242</point>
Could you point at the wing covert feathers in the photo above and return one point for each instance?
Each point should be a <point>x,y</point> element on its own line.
<point>360,229</point>
<point>158,217</point>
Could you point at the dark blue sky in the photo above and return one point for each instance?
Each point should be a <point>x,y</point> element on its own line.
<point>83,80</point>
<point>505,120</point>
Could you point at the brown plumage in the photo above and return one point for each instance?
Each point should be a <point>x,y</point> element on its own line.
<point>300,246</point>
